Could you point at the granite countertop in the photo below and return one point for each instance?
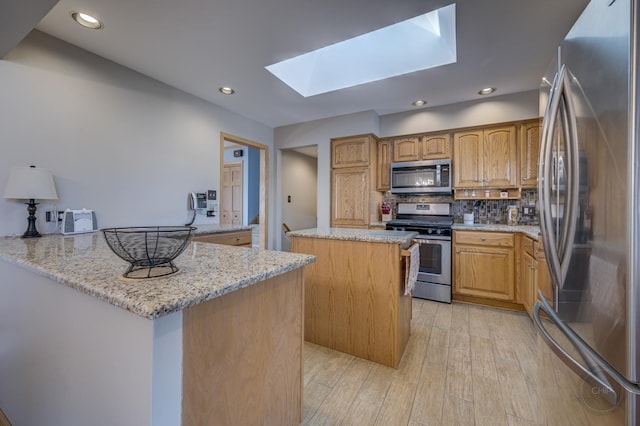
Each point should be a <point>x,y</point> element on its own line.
<point>532,231</point>
<point>353,234</point>
<point>86,263</point>
<point>215,228</point>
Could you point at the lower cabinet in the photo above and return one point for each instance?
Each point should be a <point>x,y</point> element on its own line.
<point>484,265</point>
<point>534,274</point>
<point>232,238</point>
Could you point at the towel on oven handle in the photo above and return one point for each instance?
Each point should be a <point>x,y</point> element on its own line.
<point>411,272</point>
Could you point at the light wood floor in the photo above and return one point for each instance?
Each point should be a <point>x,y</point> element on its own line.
<point>464,365</point>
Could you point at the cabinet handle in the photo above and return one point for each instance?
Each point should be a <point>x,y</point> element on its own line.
<point>237,238</point>
<point>524,178</point>
<point>483,239</point>
<point>457,251</point>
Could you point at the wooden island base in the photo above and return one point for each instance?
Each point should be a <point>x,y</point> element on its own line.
<point>242,361</point>
<point>354,298</point>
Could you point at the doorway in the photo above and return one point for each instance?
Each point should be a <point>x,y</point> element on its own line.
<point>231,201</point>
<point>299,174</point>
<point>259,218</point>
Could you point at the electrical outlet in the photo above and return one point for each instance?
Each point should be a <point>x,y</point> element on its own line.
<point>528,211</point>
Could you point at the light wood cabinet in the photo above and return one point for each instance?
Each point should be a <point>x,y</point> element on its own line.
<point>483,265</point>
<point>351,152</point>
<point>232,238</point>
<point>350,197</point>
<point>354,199</point>
<point>436,146</point>
<point>529,153</point>
<point>426,147</point>
<point>406,149</point>
<point>385,150</point>
<point>485,158</point>
<point>534,273</point>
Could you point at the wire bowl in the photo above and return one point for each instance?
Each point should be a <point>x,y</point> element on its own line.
<point>149,249</point>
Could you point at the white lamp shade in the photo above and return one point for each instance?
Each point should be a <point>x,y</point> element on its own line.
<point>30,182</point>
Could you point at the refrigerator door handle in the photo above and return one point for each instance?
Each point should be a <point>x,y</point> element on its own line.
<point>559,247</point>
<point>592,375</point>
<point>545,183</point>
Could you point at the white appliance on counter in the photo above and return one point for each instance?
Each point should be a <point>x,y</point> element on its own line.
<point>589,178</point>
<point>78,222</point>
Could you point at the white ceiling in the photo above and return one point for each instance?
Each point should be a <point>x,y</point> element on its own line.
<point>200,45</point>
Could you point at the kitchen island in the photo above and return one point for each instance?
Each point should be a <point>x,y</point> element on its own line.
<point>220,342</point>
<point>355,299</point>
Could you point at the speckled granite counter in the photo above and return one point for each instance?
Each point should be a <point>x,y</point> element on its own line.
<point>85,263</point>
<point>160,349</point>
<point>352,234</point>
<point>215,228</point>
<point>532,231</point>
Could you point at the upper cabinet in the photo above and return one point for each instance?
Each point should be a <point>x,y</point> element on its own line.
<point>427,147</point>
<point>385,151</point>
<point>436,146</point>
<point>351,151</point>
<point>485,158</point>
<point>529,153</point>
<point>406,149</point>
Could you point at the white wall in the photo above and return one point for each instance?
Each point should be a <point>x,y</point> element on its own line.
<point>300,181</point>
<point>496,109</point>
<point>320,132</point>
<point>116,141</point>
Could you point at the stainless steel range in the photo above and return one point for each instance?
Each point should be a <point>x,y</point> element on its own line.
<point>433,223</point>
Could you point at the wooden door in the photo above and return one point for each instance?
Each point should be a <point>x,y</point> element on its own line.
<point>406,149</point>
<point>436,146</point>
<point>232,193</point>
<point>383,175</point>
<point>486,272</point>
<point>499,157</point>
<point>350,197</point>
<point>529,153</point>
<point>468,159</point>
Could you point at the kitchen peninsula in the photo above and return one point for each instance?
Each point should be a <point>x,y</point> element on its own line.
<point>354,294</point>
<point>220,342</point>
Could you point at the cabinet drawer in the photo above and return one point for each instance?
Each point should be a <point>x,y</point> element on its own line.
<point>499,239</point>
<point>237,238</point>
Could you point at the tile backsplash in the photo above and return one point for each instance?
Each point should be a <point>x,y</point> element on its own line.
<point>486,211</point>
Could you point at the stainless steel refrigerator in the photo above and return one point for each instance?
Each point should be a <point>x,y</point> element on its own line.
<point>590,205</point>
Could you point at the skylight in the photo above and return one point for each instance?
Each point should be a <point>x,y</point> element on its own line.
<point>419,43</point>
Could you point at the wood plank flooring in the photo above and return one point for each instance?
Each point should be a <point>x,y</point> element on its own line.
<point>464,365</point>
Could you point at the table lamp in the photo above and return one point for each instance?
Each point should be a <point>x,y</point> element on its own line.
<point>30,183</point>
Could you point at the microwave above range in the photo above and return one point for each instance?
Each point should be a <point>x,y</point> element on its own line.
<point>421,177</point>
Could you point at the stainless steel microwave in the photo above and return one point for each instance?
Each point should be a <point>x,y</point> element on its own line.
<point>421,177</point>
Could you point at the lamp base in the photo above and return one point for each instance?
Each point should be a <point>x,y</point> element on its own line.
<point>31,231</point>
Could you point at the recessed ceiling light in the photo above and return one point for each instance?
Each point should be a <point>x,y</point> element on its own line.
<point>86,20</point>
<point>226,90</point>
<point>487,91</point>
<point>419,103</point>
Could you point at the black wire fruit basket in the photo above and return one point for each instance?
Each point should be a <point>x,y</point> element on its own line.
<point>149,249</point>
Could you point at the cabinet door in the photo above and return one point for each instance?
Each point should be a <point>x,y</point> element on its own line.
<point>406,149</point>
<point>384,166</point>
<point>436,146</point>
<point>527,282</point>
<point>529,153</point>
<point>484,272</point>
<point>467,159</point>
<point>499,159</point>
<point>350,197</point>
<point>350,152</point>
